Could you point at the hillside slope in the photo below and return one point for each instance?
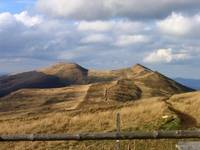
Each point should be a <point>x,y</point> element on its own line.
<point>59,75</point>
<point>128,84</point>
<point>180,111</point>
<point>87,101</point>
<point>150,83</point>
<point>68,73</point>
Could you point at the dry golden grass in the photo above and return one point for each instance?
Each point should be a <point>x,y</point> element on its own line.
<point>140,115</point>
<point>43,100</point>
<point>188,103</point>
<point>146,114</point>
<point>88,108</point>
<point>68,73</point>
<point>87,120</point>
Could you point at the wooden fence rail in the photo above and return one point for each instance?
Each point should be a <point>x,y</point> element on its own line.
<point>182,134</point>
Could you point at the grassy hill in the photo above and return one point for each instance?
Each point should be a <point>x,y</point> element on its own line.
<point>177,112</point>
<point>58,75</point>
<point>145,99</point>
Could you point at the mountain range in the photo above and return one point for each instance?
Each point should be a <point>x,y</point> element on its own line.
<point>89,86</point>
<point>67,97</point>
<point>66,74</point>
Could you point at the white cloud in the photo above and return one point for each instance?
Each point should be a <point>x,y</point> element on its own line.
<point>165,56</point>
<point>98,26</point>
<point>90,43</point>
<point>124,26</point>
<point>127,40</point>
<point>19,40</point>
<point>6,19</point>
<point>96,38</point>
<point>65,8</point>
<point>28,20</point>
<point>98,9</point>
<point>179,25</point>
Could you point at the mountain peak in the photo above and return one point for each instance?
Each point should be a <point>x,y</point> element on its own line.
<point>62,67</point>
<point>140,68</point>
<point>68,73</point>
<point>64,64</point>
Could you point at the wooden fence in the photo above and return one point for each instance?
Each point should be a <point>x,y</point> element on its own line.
<point>118,135</point>
<point>182,134</point>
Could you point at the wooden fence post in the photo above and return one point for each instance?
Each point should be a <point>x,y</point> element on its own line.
<point>118,130</point>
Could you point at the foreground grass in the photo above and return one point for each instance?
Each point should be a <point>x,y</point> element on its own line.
<point>141,115</point>
<point>93,145</point>
<point>148,114</point>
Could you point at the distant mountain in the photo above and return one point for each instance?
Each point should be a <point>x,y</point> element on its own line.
<point>193,83</point>
<point>122,85</point>
<point>134,83</point>
<point>58,75</point>
<point>68,73</point>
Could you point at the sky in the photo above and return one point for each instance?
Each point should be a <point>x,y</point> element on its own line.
<point>102,34</point>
